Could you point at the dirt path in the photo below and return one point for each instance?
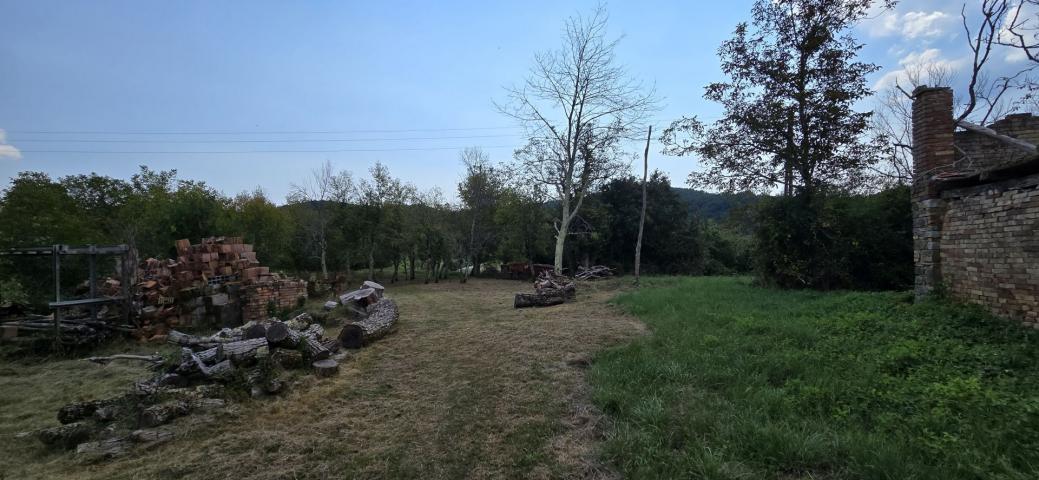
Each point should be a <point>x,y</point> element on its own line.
<point>467,388</point>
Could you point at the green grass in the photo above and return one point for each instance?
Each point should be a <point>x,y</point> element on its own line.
<point>737,381</point>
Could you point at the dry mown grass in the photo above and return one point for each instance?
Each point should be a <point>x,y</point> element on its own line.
<point>468,387</point>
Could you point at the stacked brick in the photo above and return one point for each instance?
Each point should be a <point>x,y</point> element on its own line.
<point>260,299</point>
<point>218,282</point>
<point>989,248</point>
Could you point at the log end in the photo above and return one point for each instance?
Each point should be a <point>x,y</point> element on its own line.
<point>351,336</point>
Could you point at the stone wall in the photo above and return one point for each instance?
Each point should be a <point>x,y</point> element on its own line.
<point>974,225</point>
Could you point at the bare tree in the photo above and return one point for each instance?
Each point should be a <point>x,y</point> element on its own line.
<point>577,104</point>
<point>892,123</point>
<point>320,193</point>
<point>1021,29</point>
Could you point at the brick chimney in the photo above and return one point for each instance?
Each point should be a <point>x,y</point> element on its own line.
<point>933,152</point>
<point>932,137</point>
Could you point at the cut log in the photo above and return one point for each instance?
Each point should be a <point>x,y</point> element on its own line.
<point>255,330</point>
<point>314,349</point>
<point>213,355</point>
<point>220,371</point>
<point>163,413</point>
<point>326,368</point>
<point>288,358</point>
<point>314,331</point>
<point>65,436</point>
<point>77,411</point>
<point>331,344</point>
<point>277,332</point>
<point>104,449</point>
<point>153,359</point>
<point>379,289</point>
<point>246,351</point>
<point>382,319</point>
<point>524,300</point>
<point>300,322</point>
<point>362,298</point>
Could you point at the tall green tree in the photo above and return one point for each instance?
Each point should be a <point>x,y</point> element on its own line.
<point>789,100</point>
<point>480,191</point>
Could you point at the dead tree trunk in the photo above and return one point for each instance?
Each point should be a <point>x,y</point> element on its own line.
<point>524,300</point>
<point>382,317</point>
<point>642,217</point>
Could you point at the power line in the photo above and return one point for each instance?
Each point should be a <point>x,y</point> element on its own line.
<point>146,152</point>
<point>309,140</point>
<point>247,132</point>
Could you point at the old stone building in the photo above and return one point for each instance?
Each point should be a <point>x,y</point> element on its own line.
<point>976,207</point>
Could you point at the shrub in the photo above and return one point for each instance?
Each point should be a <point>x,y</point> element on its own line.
<point>836,241</point>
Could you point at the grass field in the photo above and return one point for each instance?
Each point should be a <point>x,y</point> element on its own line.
<point>468,387</point>
<point>741,382</point>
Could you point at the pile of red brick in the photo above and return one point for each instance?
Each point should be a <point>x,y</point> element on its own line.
<point>218,282</point>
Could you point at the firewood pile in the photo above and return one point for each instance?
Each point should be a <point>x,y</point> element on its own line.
<point>247,357</point>
<point>71,331</point>
<point>550,288</point>
<point>594,272</point>
<point>203,285</point>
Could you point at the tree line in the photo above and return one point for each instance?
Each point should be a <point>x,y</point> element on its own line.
<point>338,223</point>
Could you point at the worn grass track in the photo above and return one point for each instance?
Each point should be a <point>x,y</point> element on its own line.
<point>468,387</point>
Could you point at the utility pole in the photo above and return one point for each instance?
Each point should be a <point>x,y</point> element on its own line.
<point>642,218</point>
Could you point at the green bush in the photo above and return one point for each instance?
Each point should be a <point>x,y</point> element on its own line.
<point>836,241</point>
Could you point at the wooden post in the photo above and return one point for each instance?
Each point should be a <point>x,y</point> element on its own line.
<point>93,280</point>
<point>57,294</point>
<point>642,218</point>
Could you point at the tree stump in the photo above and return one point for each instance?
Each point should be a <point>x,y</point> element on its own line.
<point>255,330</point>
<point>326,367</point>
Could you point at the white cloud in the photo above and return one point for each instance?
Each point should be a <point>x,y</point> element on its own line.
<point>8,151</point>
<point>909,25</point>
<point>918,65</point>
<point>1024,14</point>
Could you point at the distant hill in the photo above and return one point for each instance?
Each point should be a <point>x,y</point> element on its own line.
<point>714,206</point>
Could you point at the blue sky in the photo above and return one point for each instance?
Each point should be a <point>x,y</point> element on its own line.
<point>387,76</point>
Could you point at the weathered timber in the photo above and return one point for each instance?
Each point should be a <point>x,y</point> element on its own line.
<point>212,355</point>
<point>77,411</point>
<point>65,436</point>
<point>326,368</point>
<point>153,359</point>
<point>381,320</point>
<point>104,449</point>
<point>288,358</point>
<point>255,330</point>
<point>315,350</point>
<point>163,413</point>
<point>362,297</point>
<point>300,322</point>
<point>314,331</point>
<point>246,351</point>
<point>221,371</point>
<point>277,332</point>
<point>379,289</point>
<point>524,300</point>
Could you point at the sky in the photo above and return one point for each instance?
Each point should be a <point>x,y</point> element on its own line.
<point>265,92</point>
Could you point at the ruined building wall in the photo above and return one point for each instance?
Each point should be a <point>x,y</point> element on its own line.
<point>978,241</point>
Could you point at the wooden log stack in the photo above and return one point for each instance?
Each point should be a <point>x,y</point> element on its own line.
<point>549,289</point>
<point>595,272</point>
